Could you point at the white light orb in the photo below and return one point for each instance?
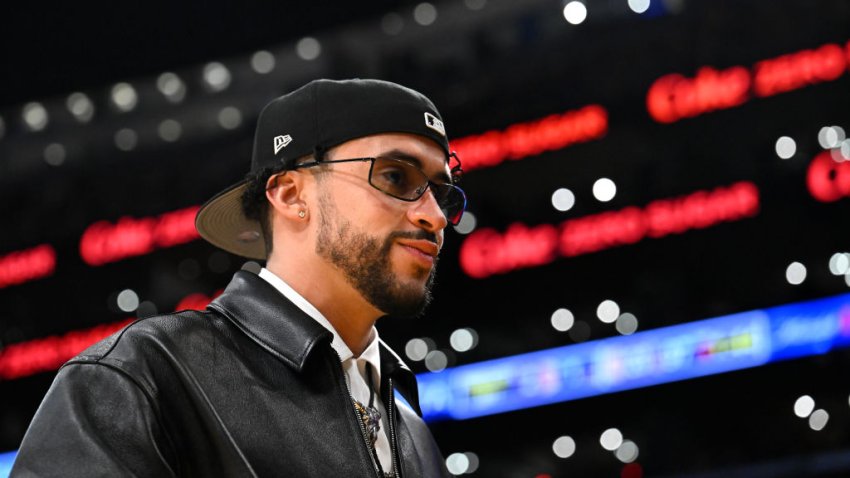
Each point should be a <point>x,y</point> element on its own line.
<point>611,439</point>
<point>639,6</point>
<point>839,263</point>
<point>604,189</point>
<point>627,452</point>
<point>35,116</point>
<point>124,97</point>
<point>127,300</point>
<point>563,199</point>
<point>80,106</point>
<point>575,12</point>
<point>230,117</point>
<point>262,62</point>
<point>169,130</point>
<point>786,147</point>
<point>804,406</point>
<point>795,273</point>
<point>468,223</point>
<point>308,48</point>
<point>830,136</point>
<point>416,349</point>
<point>562,320</point>
<point>564,447</point>
<point>171,86</point>
<point>457,463</point>
<point>608,311</point>
<point>818,420</point>
<point>626,324</point>
<point>425,14</point>
<point>436,361</point>
<point>463,340</point>
<point>216,77</point>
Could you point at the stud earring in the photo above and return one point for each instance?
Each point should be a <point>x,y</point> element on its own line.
<point>302,214</point>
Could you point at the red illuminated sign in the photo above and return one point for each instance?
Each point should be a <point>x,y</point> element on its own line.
<point>796,70</point>
<point>486,252</point>
<point>827,179</point>
<point>528,139</point>
<point>673,97</point>
<point>49,353</point>
<point>196,301</point>
<point>30,264</point>
<point>103,242</point>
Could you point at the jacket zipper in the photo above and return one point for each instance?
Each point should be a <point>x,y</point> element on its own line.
<point>357,419</point>
<point>391,421</point>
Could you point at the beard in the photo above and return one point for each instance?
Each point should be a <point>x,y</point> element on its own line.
<point>364,260</point>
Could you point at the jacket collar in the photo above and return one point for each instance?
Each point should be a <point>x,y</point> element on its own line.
<point>287,332</point>
<point>270,319</point>
<point>405,381</point>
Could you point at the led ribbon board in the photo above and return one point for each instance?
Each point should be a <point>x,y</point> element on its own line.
<point>653,357</point>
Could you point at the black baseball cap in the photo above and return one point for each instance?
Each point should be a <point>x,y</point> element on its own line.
<point>312,119</point>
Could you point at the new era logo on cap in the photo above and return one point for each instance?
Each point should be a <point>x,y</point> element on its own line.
<point>280,142</point>
<point>434,123</point>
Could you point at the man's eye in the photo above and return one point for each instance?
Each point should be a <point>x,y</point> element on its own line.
<point>393,176</point>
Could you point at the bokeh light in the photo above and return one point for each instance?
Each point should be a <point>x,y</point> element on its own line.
<point>608,311</point>
<point>575,12</point>
<point>564,447</point>
<point>795,273</point>
<point>562,320</point>
<point>216,77</point>
<point>604,189</point>
<point>308,48</point>
<point>611,439</point>
<point>786,147</point>
<point>803,406</point>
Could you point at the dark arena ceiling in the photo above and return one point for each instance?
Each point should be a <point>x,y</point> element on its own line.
<point>658,206</point>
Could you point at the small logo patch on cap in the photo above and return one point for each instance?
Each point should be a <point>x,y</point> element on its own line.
<point>434,123</point>
<point>280,142</point>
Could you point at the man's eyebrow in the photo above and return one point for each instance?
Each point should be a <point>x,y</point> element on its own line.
<point>409,158</point>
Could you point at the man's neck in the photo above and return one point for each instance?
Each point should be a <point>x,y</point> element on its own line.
<point>345,308</point>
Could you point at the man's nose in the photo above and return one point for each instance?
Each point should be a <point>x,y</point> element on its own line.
<point>427,214</point>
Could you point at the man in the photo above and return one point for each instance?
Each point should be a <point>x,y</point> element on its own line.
<point>349,193</point>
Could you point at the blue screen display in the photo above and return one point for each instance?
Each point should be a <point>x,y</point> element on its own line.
<point>652,357</point>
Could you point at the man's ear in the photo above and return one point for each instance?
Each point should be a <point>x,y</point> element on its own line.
<point>284,192</point>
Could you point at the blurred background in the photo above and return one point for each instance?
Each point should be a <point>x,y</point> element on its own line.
<point>652,278</point>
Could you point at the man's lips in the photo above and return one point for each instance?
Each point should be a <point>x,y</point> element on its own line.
<point>427,250</point>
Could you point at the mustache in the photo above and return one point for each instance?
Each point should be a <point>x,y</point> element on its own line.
<point>416,235</point>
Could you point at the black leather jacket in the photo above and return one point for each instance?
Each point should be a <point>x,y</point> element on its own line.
<point>249,387</point>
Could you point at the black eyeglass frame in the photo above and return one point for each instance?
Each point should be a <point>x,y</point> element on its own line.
<point>453,219</point>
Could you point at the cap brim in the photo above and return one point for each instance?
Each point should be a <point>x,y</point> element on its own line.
<point>222,223</point>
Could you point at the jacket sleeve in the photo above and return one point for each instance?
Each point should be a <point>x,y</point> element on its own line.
<point>94,421</point>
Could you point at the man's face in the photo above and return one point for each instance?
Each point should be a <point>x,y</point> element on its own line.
<point>385,248</point>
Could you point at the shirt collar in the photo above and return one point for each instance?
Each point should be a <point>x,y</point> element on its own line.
<point>371,354</point>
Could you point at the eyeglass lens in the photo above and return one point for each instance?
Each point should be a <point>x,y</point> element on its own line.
<point>405,181</point>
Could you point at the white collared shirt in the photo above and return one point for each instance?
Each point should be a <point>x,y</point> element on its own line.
<point>354,367</point>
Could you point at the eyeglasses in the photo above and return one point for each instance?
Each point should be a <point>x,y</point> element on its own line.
<point>402,180</point>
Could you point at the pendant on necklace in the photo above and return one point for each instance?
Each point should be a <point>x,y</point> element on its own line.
<point>371,418</point>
